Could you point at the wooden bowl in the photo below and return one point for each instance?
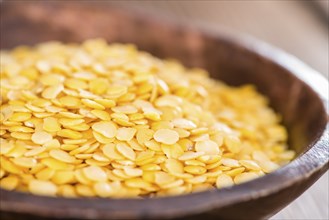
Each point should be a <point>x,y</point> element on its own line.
<point>296,91</point>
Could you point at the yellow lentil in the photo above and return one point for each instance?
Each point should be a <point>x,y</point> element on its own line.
<point>224,180</point>
<point>109,121</point>
<point>25,162</point>
<point>63,177</point>
<point>166,136</point>
<point>70,101</point>
<point>250,164</point>
<point>103,115</point>
<point>54,164</point>
<point>92,104</point>
<point>126,151</point>
<point>183,123</point>
<point>34,151</point>
<point>107,129</point>
<point>208,147</point>
<point>94,173</point>
<point>195,169</point>
<point>143,135</point>
<point>244,177</point>
<point>54,143</point>
<point>67,191</point>
<point>174,166</point>
<point>235,171</point>
<point>9,182</point>
<point>133,172</point>
<point>52,91</point>
<point>67,133</point>
<point>84,190</point>
<point>230,162</point>
<point>103,189</point>
<point>21,135</point>
<point>125,134</point>
<point>2,173</point>
<point>125,109</point>
<point>20,116</point>
<point>45,174</point>
<point>50,124</point>
<point>190,155</point>
<point>70,121</point>
<point>41,137</point>
<point>110,151</point>
<point>42,187</point>
<point>61,156</point>
<point>163,178</point>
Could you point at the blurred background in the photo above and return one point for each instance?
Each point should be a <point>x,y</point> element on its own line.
<point>299,27</point>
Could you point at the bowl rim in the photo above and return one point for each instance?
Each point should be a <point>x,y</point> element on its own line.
<point>176,206</point>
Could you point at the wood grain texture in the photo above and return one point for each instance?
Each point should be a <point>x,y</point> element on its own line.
<point>249,66</point>
<point>313,204</point>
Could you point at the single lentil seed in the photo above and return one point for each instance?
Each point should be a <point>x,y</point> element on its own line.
<point>249,164</point>
<point>133,172</point>
<point>208,147</point>
<point>25,162</point>
<point>67,133</point>
<point>45,174</point>
<point>244,177</point>
<point>9,182</point>
<point>125,134</point>
<point>126,151</point>
<point>41,137</point>
<point>166,136</point>
<point>42,187</point>
<point>61,156</point>
<point>197,170</point>
<point>20,116</point>
<point>230,162</point>
<point>103,189</point>
<point>108,129</point>
<point>94,173</point>
<point>50,124</point>
<point>224,180</point>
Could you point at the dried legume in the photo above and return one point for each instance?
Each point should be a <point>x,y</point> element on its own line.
<point>110,121</point>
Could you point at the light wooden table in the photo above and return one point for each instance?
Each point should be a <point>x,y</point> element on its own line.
<point>295,26</point>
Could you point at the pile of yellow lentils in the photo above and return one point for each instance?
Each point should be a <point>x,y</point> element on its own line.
<point>107,120</point>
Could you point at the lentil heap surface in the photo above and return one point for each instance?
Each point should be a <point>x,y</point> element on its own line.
<point>110,121</point>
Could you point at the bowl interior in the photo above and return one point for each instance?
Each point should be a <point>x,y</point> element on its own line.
<point>302,111</point>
